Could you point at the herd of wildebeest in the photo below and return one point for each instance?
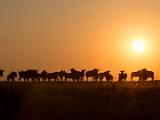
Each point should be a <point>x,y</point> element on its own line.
<point>75,75</point>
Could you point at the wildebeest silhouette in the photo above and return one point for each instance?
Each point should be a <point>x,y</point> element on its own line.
<point>82,74</point>
<point>53,76</point>
<point>145,74</point>
<point>101,76</point>
<point>43,75</point>
<point>29,74</point>
<point>68,76</point>
<point>75,75</point>
<point>1,72</point>
<point>93,74</point>
<point>11,76</point>
<point>62,74</point>
<point>122,76</point>
<point>106,75</point>
<point>135,74</point>
<point>22,75</point>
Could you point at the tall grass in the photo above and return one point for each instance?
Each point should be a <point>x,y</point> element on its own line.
<point>80,101</point>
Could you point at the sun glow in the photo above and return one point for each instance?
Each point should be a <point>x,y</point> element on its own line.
<point>138,46</point>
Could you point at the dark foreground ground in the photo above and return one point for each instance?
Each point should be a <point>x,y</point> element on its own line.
<point>80,101</point>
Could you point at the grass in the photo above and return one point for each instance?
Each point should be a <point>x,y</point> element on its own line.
<point>80,101</point>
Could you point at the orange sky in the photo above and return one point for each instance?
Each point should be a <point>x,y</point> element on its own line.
<point>60,34</point>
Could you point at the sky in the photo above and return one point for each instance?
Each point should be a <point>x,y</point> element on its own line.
<point>84,34</point>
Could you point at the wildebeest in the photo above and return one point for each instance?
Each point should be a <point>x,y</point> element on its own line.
<point>75,75</point>
<point>143,75</point>
<point>101,76</point>
<point>29,74</point>
<point>62,74</point>
<point>135,74</point>
<point>1,72</point>
<point>53,76</point>
<point>68,76</point>
<point>122,76</point>
<point>22,75</point>
<point>43,75</point>
<point>11,76</point>
<point>82,74</point>
<point>106,75</point>
<point>93,74</point>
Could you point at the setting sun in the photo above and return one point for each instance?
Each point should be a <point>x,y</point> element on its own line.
<point>138,46</point>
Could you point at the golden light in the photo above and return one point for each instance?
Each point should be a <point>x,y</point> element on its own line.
<point>138,46</point>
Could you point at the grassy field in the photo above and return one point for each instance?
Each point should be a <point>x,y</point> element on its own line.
<point>80,101</point>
